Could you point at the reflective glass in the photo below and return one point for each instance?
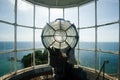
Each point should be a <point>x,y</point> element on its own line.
<point>38,40</point>
<point>71,14</point>
<point>7,10</point>
<point>87,15</point>
<point>112,66</point>
<point>56,13</point>
<point>41,56</point>
<point>6,37</point>
<point>87,38</point>
<point>24,59</point>
<point>108,37</point>
<point>108,11</point>
<point>24,38</point>
<point>24,13</point>
<point>41,16</point>
<point>7,63</point>
<point>87,59</point>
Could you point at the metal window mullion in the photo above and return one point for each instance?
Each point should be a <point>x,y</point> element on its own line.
<point>34,35</point>
<point>48,15</point>
<point>78,62</point>
<point>48,22</point>
<point>6,22</point>
<point>15,36</point>
<point>119,44</point>
<point>10,63</point>
<point>95,35</point>
<point>63,13</point>
<point>102,25</point>
<point>24,26</point>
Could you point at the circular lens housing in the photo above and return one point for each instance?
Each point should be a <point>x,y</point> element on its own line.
<point>60,36</point>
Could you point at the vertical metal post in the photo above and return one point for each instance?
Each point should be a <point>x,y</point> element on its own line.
<point>15,36</point>
<point>10,63</point>
<point>49,22</point>
<point>119,43</point>
<point>34,36</point>
<point>95,35</point>
<point>49,15</point>
<point>63,14</point>
<point>78,62</point>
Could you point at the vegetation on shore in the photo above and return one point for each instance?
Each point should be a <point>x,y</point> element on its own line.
<point>41,57</point>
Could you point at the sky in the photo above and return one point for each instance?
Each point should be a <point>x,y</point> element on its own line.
<point>108,11</point>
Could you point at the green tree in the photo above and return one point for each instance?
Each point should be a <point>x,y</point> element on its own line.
<point>40,58</point>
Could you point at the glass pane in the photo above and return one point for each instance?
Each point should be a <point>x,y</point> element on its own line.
<point>87,58</point>
<point>71,41</point>
<point>6,37</point>
<point>112,66</point>
<point>7,63</point>
<point>87,38</point>
<point>25,13</point>
<point>108,11</point>
<point>63,45</point>
<point>87,15</point>
<point>71,14</point>
<point>48,30</point>
<point>24,59</point>
<point>7,10</point>
<point>41,57</point>
<point>65,25</point>
<point>41,16</point>
<point>54,24</point>
<point>71,32</point>
<point>24,38</point>
<point>38,40</point>
<point>108,37</point>
<point>55,13</point>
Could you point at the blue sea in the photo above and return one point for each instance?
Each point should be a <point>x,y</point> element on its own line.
<point>87,58</point>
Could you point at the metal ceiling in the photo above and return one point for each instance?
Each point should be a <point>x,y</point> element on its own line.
<point>59,3</point>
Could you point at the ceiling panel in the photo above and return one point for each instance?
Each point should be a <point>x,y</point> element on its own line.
<point>59,3</point>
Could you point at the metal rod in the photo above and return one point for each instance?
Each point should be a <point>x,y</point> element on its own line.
<point>48,22</point>
<point>48,15</point>
<point>78,63</point>
<point>10,62</point>
<point>95,35</point>
<point>34,36</point>
<point>104,71</point>
<point>6,22</point>
<point>119,44</point>
<point>47,36</point>
<point>24,26</point>
<point>102,68</point>
<point>21,50</point>
<point>69,27</point>
<point>50,26</point>
<point>63,13</point>
<point>15,37</point>
<point>102,25</point>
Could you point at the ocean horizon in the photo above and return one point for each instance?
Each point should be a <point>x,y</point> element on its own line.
<point>86,57</point>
